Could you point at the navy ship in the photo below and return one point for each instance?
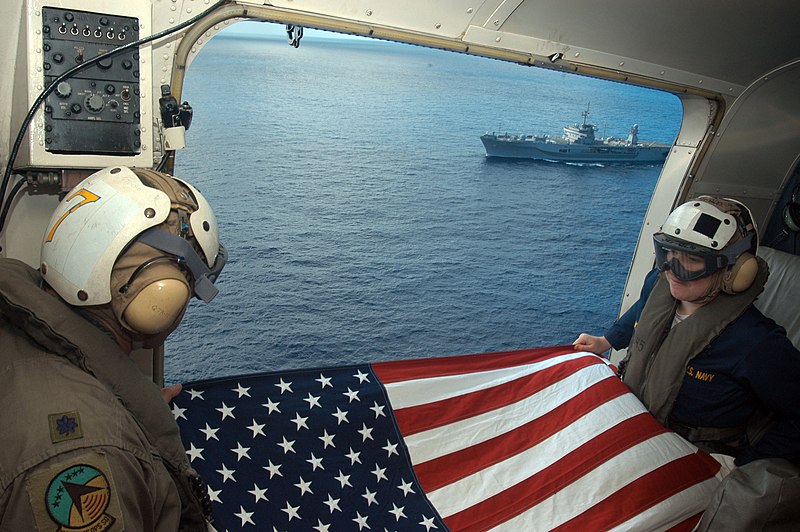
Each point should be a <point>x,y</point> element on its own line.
<point>578,145</point>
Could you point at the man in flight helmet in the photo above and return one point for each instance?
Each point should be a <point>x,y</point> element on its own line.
<point>707,364</point>
<point>91,444</point>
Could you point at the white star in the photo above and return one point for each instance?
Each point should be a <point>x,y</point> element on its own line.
<point>361,520</point>
<point>227,474</point>
<point>324,381</point>
<point>405,487</point>
<point>366,433</point>
<point>343,479</point>
<point>362,377</point>
<point>256,428</point>
<point>287,446</point>
<point>333,504</point>
<point>178,411</point>
<point>300,421</point>
<point>291,511</point>
<point>194,394</point>
<point>398,512</point>
<point>370,497</point>
<point>241,390</point>
<point>271,406</point>
<point>258,492</point>
<point>195,452</point>
<point>285,387</point>
<point>322,527</point>
<point>315,462</point>
<point>378,409</point>
<point>214,495</point>
<point>427,522</point>
<point>312,401</point>
<point>273,469</point>
<point>353,396</point>
<point>327,440</point>
<point>390,448</point>
<point>341,416</point>
<point>380,473</point>
<point>305,487</point>
<point>244,516</point>
<point>227,411</point>
<point>240,451</point>
<point>353,456</point>
<point>209,432</point>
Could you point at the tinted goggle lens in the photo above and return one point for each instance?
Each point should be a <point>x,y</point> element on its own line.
<point>685,266</point>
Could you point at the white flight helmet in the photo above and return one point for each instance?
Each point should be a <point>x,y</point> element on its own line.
<point>718,234</point>
<point>107,215</point>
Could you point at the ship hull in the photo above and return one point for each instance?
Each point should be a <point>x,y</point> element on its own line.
<point>522,148</point>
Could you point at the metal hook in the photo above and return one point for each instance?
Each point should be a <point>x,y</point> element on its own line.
<point>294,34</point>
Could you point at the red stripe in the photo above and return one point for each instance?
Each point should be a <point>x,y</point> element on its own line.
<point>554,478</point>
<point>645,492</point>
<point>420,418</point>
<point>402,370</point>
<point>447,469</point>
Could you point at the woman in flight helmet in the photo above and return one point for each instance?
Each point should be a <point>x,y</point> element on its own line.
<point>712,239</point>
<point>706,363</point>
<point>124,252</point>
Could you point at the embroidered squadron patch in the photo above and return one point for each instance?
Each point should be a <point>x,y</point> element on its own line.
<point>65,426</point>
<point>77,497</point>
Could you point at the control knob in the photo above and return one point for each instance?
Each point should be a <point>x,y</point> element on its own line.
<point>63,90</point>
<point>94,103</point>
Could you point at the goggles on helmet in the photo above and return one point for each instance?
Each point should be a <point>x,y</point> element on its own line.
<point>203,277</point>
<point>689,262</point>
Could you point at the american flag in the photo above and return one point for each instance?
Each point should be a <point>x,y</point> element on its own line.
<point>538,439</point>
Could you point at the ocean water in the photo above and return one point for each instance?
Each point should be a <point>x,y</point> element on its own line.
<point>365,223</point>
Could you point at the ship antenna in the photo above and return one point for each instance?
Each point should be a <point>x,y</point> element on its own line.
<point>585,114</point>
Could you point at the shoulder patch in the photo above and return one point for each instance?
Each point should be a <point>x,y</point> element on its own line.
<point>75,496</point>
<point>65,426</point>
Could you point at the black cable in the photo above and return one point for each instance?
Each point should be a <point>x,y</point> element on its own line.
<point>7,206</point>
<point>12,156</point>
<point>164,158</point>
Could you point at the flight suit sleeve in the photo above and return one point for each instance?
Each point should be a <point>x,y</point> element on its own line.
<point>621,331</point>
<point>98,489</point>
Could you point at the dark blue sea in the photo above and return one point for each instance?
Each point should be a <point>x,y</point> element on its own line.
<point>365,223</point>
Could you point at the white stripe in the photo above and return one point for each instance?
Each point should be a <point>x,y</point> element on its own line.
<point>604,481</point>
<point>415,392</point>
<point>450,438</point>
<point>475,488</point>
<point>674,510</point>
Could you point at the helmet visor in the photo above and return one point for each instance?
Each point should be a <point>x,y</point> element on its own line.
<point>685,260</point>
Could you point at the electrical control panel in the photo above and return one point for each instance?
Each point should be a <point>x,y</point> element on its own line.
<point>97,110</point>
<point>102,114</point>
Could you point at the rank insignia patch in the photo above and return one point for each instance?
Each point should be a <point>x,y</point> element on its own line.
<point>65,426</point>
<point>77,499</point>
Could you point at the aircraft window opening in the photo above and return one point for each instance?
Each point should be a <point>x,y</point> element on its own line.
<point>369,205</point>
